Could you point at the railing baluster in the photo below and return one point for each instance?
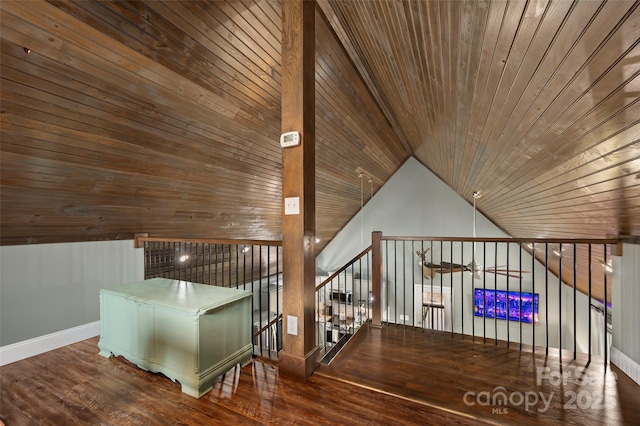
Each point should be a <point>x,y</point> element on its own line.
<point>230,268</point>
<point>237,264</point>
<point>369,264</point>
<point>395,283</point>
<point>202,263</point>
<point>473,262</point>
<point>546,295</point>
<point>404,291</point>
<point>222,264</point>
<point>205,275</point>
<point>268,293</point>
<point>147,259</point>
<point>520,290</point>
<point>147,268</point>
<point>575,308</point>
<point>215,264</point>
<point>195,269</point>
<point>533,294</point>
<point>604,319</point>
<point>278,307</point>
<point>461,290</point>
<point>185,265</point>
<point>484,291</point>
<point>260,275</point>
<point>431,310</point>
<point>174,261</point>
<point>495,297</point>
<point>508,276</point>
<point>164,265</point>
<point>589,296</point>
<point>413,293</point>
<point>154,269</point>
<point>387,287</point>
<point>253,311</point>
<point>451,289</point>
<point>178,261</point>
<point>560,298</point>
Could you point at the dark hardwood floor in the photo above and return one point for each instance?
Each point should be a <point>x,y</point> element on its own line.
<point>469,378</point>
<point>388,376</point>
<point>75,386</point>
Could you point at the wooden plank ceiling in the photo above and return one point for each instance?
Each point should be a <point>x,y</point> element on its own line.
<point>533,104</point>
<point>164,117</point>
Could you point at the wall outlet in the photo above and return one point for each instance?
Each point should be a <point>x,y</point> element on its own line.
<point>292,325</point>
<point>292,205</point>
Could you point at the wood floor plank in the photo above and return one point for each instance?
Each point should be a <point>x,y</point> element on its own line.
<point>390,376</point>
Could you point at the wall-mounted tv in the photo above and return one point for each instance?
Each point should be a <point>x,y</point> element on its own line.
<point>503,304</point>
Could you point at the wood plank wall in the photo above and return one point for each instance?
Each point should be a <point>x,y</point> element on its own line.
<point>164,118</point>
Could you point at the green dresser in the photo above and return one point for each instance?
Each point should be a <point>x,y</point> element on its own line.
<point>190,332</point>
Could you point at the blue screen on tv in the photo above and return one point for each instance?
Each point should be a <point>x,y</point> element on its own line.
<point>502,304</point>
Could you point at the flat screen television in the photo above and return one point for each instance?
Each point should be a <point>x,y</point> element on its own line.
<point>503,304</point>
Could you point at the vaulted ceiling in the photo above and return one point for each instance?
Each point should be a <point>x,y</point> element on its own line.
<point>164,117</point>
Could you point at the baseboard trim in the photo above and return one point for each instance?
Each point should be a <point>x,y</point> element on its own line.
<point>28,348</point>
<point>626,364</point>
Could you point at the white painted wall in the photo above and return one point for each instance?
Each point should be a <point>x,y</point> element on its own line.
<point>47,288</point>
<point>627,294</point>
<point>414,201</point>
<point>625,351</point>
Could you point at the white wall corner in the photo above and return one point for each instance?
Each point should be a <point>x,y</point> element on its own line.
<point>28,348</point>
<point>626,364</point>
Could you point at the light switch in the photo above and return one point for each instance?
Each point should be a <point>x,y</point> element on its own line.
<point>292,325</point>
<point>292,205</point>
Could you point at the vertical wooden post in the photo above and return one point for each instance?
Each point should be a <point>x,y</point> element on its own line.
<point>298,357</point>
<point>376,276</point>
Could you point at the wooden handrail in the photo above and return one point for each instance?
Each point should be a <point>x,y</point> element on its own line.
<point>141,238</point>
<point>344,268</point>
<point>269,324</point>
<point>508,240</point>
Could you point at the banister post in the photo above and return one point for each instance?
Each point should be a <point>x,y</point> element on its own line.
<point>299,355</point>
<point>376,277</point>
<point>136,240</point>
